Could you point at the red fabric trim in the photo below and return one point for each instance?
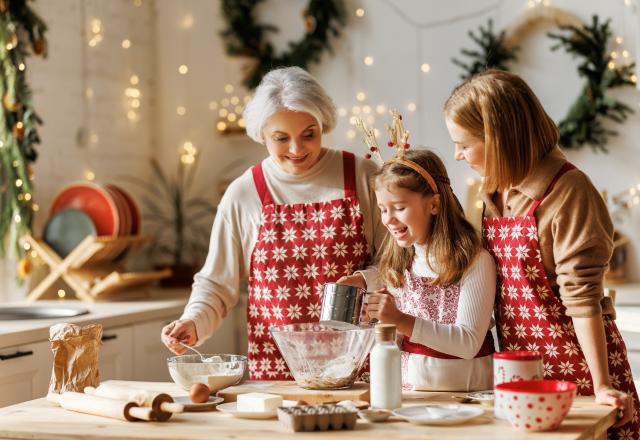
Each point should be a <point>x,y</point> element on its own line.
<point>520,355</point>
<point>411,347</point>
<point>261,185</point>
<point>349,170</point>
<point>566,167</point>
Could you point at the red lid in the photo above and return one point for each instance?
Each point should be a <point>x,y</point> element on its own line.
<point>537,386</point>
<point>521,355</point>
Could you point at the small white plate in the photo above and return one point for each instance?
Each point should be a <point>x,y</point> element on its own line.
<point>189,406</point>
<point>438,414</point>
<point>232,408</point>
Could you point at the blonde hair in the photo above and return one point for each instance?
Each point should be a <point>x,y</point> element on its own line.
<point>288,88</point>
<point>452,240</point>
<point>501,109</point>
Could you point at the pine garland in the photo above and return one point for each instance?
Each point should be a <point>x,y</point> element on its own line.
<point>584,121</point>
<point>243,36</point>
<point>21,32</point>
<point>493,52</point>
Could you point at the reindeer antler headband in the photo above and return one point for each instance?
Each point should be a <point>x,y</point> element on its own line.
<point>396,131</point>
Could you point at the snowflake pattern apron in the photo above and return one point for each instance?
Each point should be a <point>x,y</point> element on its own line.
<point>299,248</point>
<point>531,317</point>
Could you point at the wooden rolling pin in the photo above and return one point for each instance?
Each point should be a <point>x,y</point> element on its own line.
<point>101,406</point>
<point>162,404</point>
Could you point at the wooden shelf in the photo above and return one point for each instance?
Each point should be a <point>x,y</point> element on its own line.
<point>93,269</point>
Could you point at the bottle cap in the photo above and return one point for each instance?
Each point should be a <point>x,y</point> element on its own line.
<point>385,332</point>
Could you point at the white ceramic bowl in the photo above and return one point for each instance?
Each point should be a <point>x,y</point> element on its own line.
<point>218,371</point>
<point>535,405</point>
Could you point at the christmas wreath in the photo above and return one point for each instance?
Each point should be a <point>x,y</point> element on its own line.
<point>583,123</point>
<point>245,37</point>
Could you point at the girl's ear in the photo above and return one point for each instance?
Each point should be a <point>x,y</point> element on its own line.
<point>435,204</point>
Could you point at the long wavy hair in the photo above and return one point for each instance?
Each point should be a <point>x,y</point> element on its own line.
<point>452,241</point>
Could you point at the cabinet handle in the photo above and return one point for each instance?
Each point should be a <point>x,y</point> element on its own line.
<point>109,337</point>
<point>17,354</point>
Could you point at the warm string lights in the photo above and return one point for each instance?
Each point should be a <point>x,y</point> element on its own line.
<point>361,109</point>
<point>229,111</point>
<point>628,198</point>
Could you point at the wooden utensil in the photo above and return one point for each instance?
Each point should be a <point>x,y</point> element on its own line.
<point>290,391</point>
<point>162,404</point>
<point>101,406</point>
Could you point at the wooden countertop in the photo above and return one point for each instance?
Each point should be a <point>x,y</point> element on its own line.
<point>40,419</point>
<point>140,305</point>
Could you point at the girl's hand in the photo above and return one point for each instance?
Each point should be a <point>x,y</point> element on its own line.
<point>381,305</point>
<point>181,330</point>
<point>618,399</point>
<point>356,280</point>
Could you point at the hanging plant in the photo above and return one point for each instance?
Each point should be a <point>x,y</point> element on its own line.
<point>243,36</point>
<point>583,124</point>
<point>492,53</point>
<point>21,33</point>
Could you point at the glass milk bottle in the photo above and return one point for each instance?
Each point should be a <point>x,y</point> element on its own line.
<point>386,370</point>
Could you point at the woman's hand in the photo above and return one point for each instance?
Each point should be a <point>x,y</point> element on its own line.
<point>622,401</point>
<point>179,331</point>
<point>356,280</point>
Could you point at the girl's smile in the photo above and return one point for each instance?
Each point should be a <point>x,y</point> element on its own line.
<point>406,214</point>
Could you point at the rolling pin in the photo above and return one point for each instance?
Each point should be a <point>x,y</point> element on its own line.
<point>101,406</point>
<point>162,404</point>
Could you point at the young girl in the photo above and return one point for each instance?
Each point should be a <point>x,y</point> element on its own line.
<point>551,236</point>
<point>441,283</point>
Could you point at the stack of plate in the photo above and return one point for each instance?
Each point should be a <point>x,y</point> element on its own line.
<point>89,208</point>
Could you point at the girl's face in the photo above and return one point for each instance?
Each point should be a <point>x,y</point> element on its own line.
<point>407,215</point>
<point>293,140</point>
<point>468,148</point>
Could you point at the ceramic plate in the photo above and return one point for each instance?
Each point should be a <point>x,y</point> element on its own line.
<point>438,414</point>
<point>189,406</point>
<point>232,408</point>
<point>134,210</point>
<point>93,200</point>
<point>66,229</point>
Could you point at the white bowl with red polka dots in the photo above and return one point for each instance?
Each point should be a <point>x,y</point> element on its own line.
<point>535,405</point>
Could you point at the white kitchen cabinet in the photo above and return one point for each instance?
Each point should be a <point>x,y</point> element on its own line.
<point>25,371</point>
<point>149,353</point>
<point>115,359</point>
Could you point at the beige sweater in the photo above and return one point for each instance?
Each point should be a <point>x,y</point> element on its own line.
<point>574,229</point>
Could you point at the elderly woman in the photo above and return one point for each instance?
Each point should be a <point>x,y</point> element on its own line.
<point>304,216</point>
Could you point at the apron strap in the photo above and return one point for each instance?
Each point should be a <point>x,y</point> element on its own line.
<point>261,185</point>
<point>349,168</point>
<point>411,347</point>
<point>566,167</point>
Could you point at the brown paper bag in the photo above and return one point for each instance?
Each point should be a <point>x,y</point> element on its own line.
<point>75,357</point>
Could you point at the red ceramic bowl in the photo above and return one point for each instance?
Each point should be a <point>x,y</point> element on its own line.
<point>95,201</point>
<point>134,210</point>
<point>535,405</point>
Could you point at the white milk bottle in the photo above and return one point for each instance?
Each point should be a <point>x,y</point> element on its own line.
<point>386,370</point>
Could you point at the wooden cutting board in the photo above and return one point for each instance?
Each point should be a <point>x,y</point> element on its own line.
<point>290,391</point>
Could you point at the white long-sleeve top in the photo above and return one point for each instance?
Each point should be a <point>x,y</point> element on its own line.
<point>216,288</point>
<point>462,339</point>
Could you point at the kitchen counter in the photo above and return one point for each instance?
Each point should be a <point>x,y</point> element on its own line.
<point>40,419</point>
<point>135,306</point>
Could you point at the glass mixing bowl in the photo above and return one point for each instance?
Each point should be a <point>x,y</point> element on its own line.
<point>218,371</point>
<point>324,355</point>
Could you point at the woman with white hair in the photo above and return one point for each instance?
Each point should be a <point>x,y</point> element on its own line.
<point>304,216</point>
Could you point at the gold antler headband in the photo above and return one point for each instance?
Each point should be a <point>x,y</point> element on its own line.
<point>396,131</point>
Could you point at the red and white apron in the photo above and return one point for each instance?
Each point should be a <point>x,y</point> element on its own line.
<point>437,303</point>
<point>531,317</point>
<point>300,247</point>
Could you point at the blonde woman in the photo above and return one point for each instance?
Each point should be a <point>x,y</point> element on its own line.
<point>551,236</point>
